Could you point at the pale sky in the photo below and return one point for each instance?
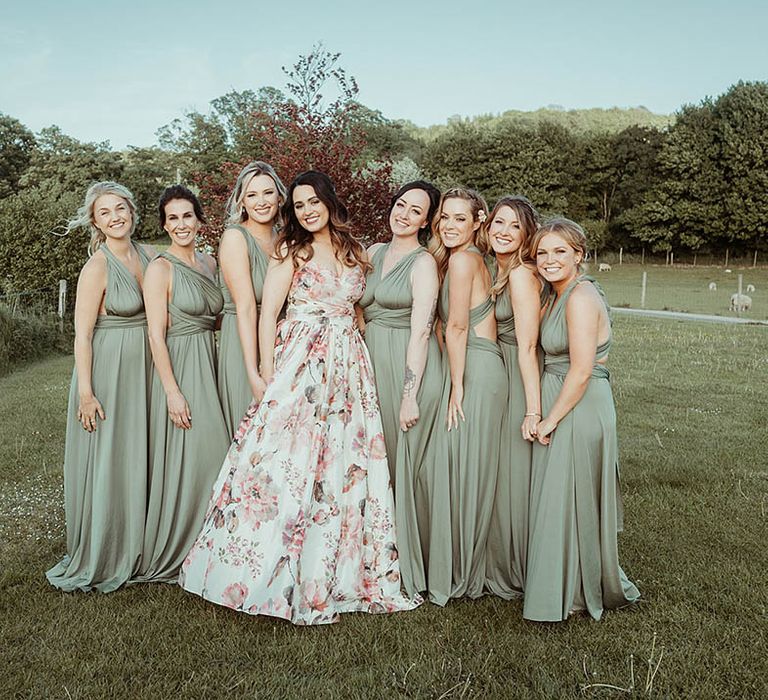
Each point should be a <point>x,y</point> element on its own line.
<point>118,71</point>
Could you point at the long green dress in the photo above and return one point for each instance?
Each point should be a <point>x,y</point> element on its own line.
<point>471,452</point>
<point>184,463</point>
<point>234,388</point>
<point>105,472</point>
<point>576,511</point>
<point>387,304</point>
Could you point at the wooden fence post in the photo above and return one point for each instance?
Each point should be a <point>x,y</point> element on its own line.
<point>727,250</point>
<point>642,290</point>
<point>621,254</point>
<point>62,303</point>
<point>754,260</point>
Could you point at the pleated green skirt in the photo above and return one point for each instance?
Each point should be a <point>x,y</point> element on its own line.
<point>232,380</point>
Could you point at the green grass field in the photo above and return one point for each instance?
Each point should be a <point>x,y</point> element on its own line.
<point>692,411</point>
<point>685,288</point>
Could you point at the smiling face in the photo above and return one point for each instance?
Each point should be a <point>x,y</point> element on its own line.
<point>556,260</point>
<point>261,199</point>
<point>457,226</point>
<point>181,222</point>
<point>505,232</point>
<point>112,216</point>
<point>409,214</point>
<point>310,211</point>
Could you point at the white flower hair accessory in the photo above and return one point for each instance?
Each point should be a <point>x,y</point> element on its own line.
<point>482,216</point>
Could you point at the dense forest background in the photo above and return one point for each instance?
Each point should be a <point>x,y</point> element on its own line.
<point>695,182</point>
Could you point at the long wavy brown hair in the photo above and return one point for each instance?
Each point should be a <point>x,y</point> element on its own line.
<point>479,210</point>
<point>528,218</point>
<point>296,241</point>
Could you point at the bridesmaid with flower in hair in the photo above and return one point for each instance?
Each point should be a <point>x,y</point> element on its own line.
<point>466,450</point>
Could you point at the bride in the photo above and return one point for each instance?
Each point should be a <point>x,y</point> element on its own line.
<point>300,523</point>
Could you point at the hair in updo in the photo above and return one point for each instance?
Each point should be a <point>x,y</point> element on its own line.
<point>179,192</point>
<point>236,213</point>
<point>85,217</point>
<point>571,233</point>
<point>528,218</point>
<point>479,211</point>
<point>434,202</point>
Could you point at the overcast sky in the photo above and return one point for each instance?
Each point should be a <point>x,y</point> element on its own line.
<point>118,73</point>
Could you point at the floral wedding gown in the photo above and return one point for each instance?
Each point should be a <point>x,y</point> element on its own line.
<point>300,523</point>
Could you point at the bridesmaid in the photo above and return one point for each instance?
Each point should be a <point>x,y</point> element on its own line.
<point>474,389</point>
<point>105,458</point>
<point>517,291</point>
<point>576,512</point>
<point>188,437</point>
<point>399,307</point>
<point>246,246</point>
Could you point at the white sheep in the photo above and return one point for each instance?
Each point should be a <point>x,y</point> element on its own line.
<point>740,302</point>
<point>603,267</point>
<point>750,287</point>
<point>713,286</point>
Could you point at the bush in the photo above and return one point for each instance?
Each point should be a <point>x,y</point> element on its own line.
<point>25,337</point>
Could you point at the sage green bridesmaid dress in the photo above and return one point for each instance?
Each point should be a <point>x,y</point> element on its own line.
<point>576,511</point>
<point>471,453</point>
<point>234,387</point>
<point>184,463</point>
<point>105,472</point>
<point>387,303</point>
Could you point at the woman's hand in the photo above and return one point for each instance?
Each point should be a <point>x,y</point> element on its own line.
<point>409,413</point>
<point>529,428</point>
<point>544,431</point>
<point>178,410</point>
<point>258,387</point>
<point>454,407</point>
<point>87,410</point>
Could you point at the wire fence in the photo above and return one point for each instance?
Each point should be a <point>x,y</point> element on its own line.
<point>43,301</point>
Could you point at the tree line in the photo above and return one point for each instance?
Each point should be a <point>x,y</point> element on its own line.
<point>697,181</point>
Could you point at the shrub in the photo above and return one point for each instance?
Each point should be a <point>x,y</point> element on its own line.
<point>25,337</point>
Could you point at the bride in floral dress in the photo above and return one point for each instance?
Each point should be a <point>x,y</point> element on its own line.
<point>301,524</point>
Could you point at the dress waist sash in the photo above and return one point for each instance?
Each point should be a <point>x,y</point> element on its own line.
<point>187,324</point>
<point>559,365</point>
<point>391,318</point>
<point>505,332</point>
<point>104,323</point>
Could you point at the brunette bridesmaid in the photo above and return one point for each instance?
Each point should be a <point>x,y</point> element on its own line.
<point>246,246</point>
<point>518,294</point>
<point>576,513</point>
<point>399,306</point>
<point>188,436</point>
<point>105,458</point>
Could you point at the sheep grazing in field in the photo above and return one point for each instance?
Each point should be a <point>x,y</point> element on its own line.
<point>713,286</point>
<point>750,287</point>
<point>729,270</point>
<point>740,302</point>
<point>603,267</point>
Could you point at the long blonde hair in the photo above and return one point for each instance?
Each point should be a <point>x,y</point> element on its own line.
<point>236,213</point>
<point>85,216</point>
<point>479,210</point>
<point>528,218</point>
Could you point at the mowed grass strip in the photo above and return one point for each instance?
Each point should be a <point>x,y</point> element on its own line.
<point>692,414</point>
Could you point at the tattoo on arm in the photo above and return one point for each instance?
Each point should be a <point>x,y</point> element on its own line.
<point>409,384</point>
<point>431,317</point>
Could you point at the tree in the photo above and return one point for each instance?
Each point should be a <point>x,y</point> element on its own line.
<point>302,132</point>
<point>17,144</point>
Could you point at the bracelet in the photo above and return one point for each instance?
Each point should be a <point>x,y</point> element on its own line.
<point>533,414</point>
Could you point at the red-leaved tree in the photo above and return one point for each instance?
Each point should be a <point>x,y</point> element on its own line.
<point>300,133</point>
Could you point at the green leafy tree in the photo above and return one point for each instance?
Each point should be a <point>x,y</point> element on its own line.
<point>17,144</point>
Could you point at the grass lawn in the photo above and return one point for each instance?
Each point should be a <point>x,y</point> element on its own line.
<point>693,413</point>
<point>685,288</point>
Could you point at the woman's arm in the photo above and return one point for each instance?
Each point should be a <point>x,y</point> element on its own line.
<point>91,286</point>
<point>582,317</point>
<point>460,274</point>
<point>157,292</point>
<point>425,286</point>
<point>277,284</point>
<point>524,290</point>
<point>236,269</point>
